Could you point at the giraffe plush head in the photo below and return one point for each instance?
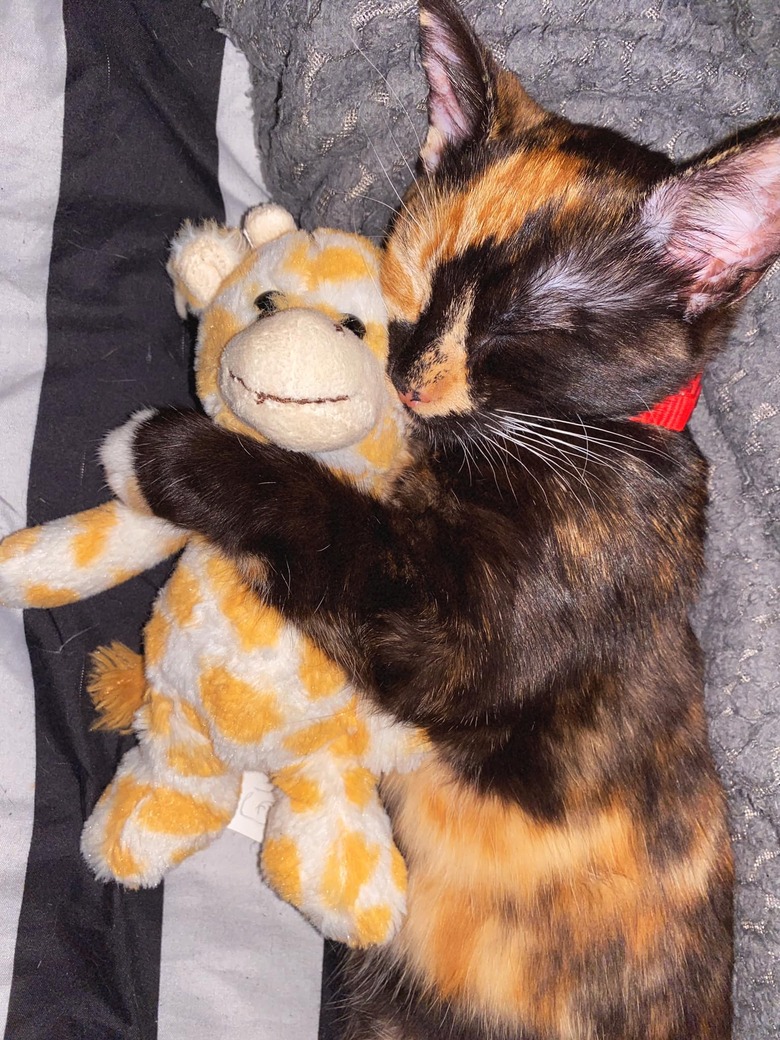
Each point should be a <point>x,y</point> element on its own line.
<point>292,340</point>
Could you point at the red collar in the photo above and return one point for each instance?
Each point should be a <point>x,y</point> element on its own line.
<point>674,411</point>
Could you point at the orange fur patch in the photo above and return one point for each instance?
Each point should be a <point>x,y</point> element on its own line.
<point>281,865</point>
<point>19,543</point>
<point>481,870</point>
<point>41,595</point>
<point>444,378</point>
<point>256,624</point>
<point>239,711</point>
<point>303,792</point>
<point>492,207</point>
<point>92,530</point>
<point>320,675</point>
<point>182,595</point>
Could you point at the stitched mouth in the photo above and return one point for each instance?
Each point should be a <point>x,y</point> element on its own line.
<point>261,397</point>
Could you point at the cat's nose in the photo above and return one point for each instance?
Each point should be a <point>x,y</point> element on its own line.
<point>411,398</point>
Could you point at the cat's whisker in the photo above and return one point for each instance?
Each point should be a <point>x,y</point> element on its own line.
<point>478,444</point>
<point>391,182</point>
<point>402,107</point>
<point>613,435</point>
<point>566,448</point>
<point>612,440</point>
<point>535,450</point>
<point>501,452</point>
<point>545,432</point>
<point>463,442</point>
<point>554,464</point>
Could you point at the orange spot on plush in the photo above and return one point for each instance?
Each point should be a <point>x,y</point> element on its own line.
<point>380,448</point>
<point>218,325</point>
<point>166,811</point>
<point>398,868</point>
<point>19,543</point>
<point>155,638</point>
<point>320,675</point>
<point>93,529</point>
<point>237,709</point>
<point>303,792</point>
<point>194,760</point>
<point>345,733</point>
<point>182,595</point>
<point>350,863</point>
<point>124,796</point>
<point>359,784</point>
<point>194,718</point>
<point>312,738</point>
<point>158,718</point>
<point>282,868</point>
<point>256,624</point>
<point>372,926</point>
<point>41,595</point>
<point>339,263</point>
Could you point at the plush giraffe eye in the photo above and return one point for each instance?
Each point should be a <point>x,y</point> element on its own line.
<point>349,321</point>
<point>266,303</point>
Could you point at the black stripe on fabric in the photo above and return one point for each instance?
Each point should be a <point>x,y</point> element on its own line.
<point>332,994</point>
<point>140,155</point>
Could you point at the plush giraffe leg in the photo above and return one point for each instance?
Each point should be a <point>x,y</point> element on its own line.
<point>77,556</point>
<point>329,851</point>
<point>170,797</point>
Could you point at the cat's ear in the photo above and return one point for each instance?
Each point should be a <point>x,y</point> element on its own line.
<point>469,97</point>
<point>719,221</point>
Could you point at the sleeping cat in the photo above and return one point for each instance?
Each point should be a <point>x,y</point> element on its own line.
<point>524,595</point>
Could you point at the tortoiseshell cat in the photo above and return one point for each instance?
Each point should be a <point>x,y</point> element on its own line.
<point>524,595</point>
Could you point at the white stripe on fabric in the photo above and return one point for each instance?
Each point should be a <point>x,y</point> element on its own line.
<point>32,88</point>
<point>240,178</point>
<point>236,961</point>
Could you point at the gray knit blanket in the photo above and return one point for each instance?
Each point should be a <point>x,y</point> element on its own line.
<point>339,107</point>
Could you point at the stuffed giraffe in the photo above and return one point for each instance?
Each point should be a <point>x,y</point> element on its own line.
<point>291,347</point>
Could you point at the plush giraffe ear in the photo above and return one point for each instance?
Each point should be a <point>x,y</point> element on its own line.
<point>263,224</point>
<point>201,258</point>
<point>719,221</point>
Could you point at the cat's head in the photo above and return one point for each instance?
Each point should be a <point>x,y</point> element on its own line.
<point>548,268</point>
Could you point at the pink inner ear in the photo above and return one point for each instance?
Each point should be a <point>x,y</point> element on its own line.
<point>445,112</point>
<point>721,223</point>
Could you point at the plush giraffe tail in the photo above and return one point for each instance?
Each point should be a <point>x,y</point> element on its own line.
<point>116,686</point>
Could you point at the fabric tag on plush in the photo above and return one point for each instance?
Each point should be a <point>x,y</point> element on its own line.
<point>254,802</point>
